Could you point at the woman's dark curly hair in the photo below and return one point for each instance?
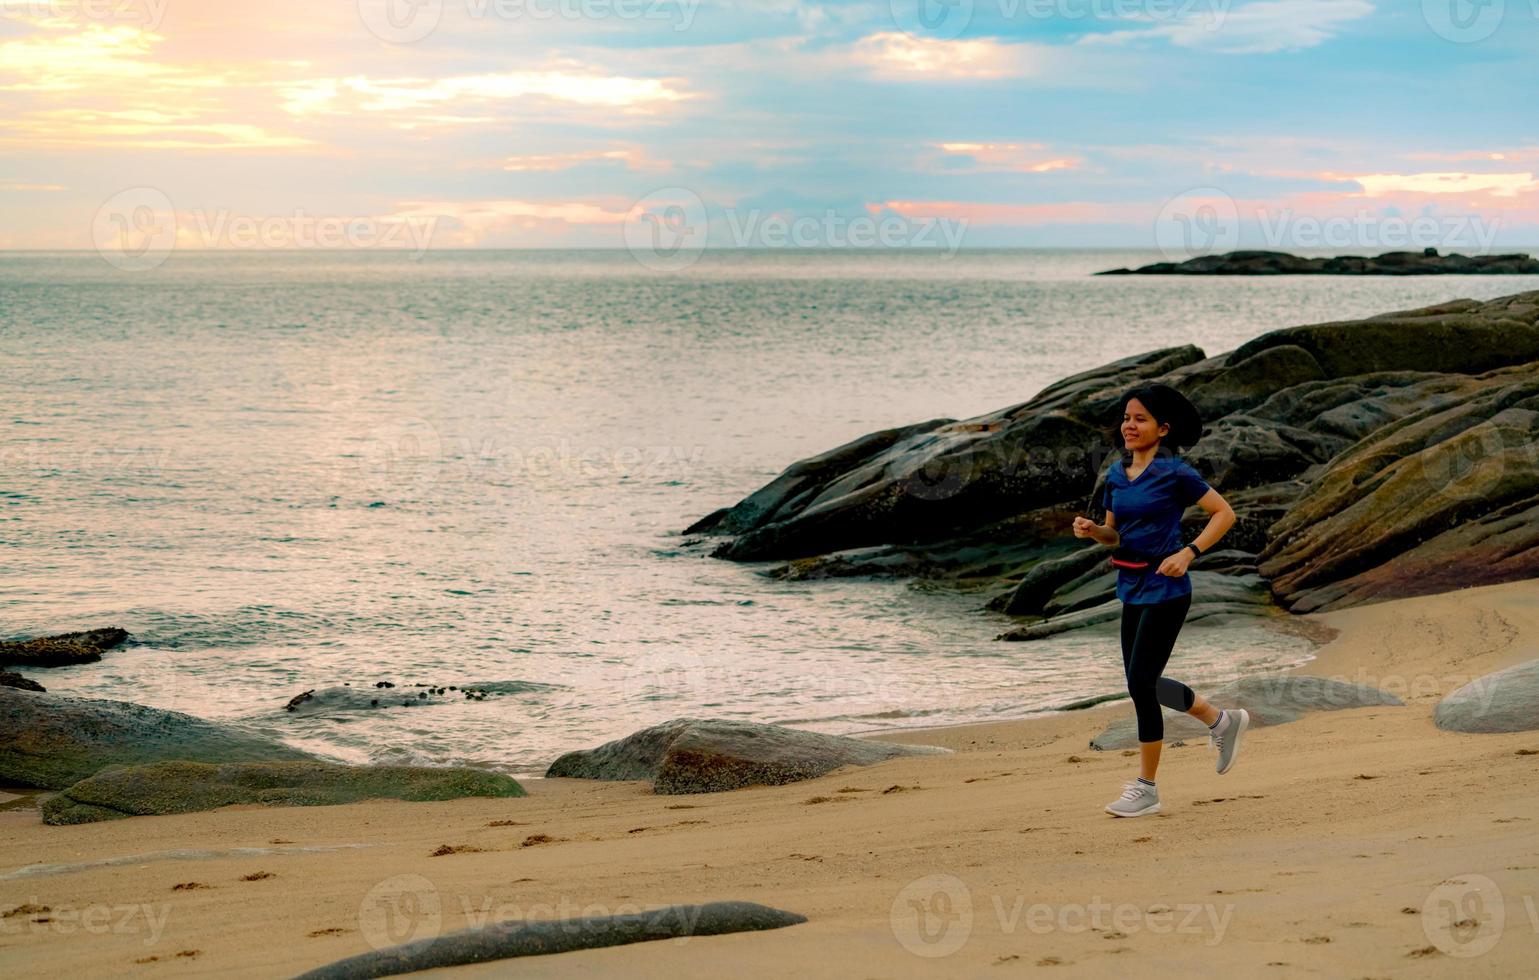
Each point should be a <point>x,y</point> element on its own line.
<point>1168,406</point>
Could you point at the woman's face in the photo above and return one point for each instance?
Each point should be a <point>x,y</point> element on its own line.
<point>1139,430</point>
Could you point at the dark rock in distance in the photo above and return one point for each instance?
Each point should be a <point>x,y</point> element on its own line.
<point>707,755</point>
<point>1257,262</point>
<point>189,787</point>
<point>519,937</point>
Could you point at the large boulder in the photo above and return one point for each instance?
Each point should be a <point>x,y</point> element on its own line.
<point>707,755</point>
<point>1350,536</point>
<point>524,937</point>
<point>1271,699</point>
<point>61,650</point>
<point>51,741</point>
<point>1506,701</point>
<point>188,787</point>
<point>1355,454</point>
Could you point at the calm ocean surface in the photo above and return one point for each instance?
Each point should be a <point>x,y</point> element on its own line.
<point>287,471</point>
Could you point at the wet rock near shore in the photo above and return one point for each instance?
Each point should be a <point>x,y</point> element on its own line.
<point>388,694</point>
<point>708,755</point>
<point>9,678</point>
<point>51,741</point>
<point>1381,458</point>
<point>1504,701</point>
<point>188,787</point>
<point>1271,699</point>
<point>61,650</point>
<point>522,937</point>
<point>1256,262</point>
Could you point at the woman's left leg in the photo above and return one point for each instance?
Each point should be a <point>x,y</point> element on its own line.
<point>1153,640</point>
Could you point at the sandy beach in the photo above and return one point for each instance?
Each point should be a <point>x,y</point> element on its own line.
<point>1361,843</point>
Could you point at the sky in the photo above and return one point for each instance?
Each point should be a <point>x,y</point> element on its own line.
<point>1183,125</point>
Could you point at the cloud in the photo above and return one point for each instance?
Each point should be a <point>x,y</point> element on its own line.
<point>1030,158</point>
<point>897,55</point>
<point>403,95</point>
<point>1264,27</point>
<point>1499,185</point>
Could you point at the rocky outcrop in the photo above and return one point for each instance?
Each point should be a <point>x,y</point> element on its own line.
<point>1365,460</point>
<point>51,741</point>
<point>62,650</point>
<point>344,698</point>
<point>1506,701</point>
<point>523,937</point>
<point>707,755</point>
<point>1255,262</point>
<point>9,678</point>
<point>1274,699</point>
<point>188,787</point>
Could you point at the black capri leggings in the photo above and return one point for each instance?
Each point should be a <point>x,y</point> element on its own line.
<point>1148,636</point>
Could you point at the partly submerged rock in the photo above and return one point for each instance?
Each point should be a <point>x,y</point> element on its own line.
<point>387,694</point>
<point>1271,699</point>
<point>9,678</point>
<point>63,649</point>
<point>521,937</point>
<point>51,741</point>
<point>706,755</point>
<point>1506,701</point>
<point>188,787</point>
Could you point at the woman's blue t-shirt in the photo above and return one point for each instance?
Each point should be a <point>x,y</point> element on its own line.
<point>1149,511</point>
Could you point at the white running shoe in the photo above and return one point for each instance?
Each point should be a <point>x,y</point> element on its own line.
<point>1136,800</point>
<point>1227,742</point>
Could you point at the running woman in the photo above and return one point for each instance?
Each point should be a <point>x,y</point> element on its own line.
<point>1146,494</point>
